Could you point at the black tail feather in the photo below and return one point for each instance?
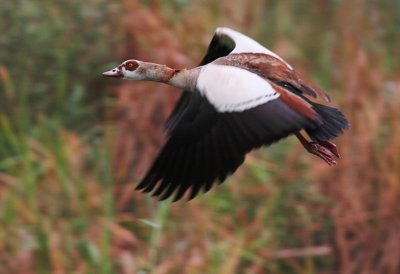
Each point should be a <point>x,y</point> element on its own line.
<point>333,123</point>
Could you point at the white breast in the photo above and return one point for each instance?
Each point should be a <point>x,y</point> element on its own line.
<point>231,89</point>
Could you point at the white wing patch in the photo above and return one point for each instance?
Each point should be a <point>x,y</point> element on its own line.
<point>232,89</point>
<point>246,44</point>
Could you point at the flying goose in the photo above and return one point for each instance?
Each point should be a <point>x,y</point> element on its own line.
<point>242,96</point>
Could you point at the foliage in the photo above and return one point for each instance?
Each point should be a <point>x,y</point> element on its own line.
<point>70,153</point>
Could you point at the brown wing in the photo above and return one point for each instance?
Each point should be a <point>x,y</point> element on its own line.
<point>276,72</point>
<point>296,92</point>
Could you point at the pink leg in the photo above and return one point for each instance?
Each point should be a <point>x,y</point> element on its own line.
<point>324,150</point>
<point>331,146</point>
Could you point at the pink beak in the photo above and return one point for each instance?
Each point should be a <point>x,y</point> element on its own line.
<point>113,73</point>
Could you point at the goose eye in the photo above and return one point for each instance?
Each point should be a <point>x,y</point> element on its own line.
<point>131,66</point>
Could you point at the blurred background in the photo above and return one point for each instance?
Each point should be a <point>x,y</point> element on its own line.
<point>73,145</point>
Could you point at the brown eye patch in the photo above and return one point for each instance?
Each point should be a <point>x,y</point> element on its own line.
<point>131,65</point>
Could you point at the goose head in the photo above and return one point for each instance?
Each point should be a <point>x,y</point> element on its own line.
<point>142,71</point>
<point>129,69</point>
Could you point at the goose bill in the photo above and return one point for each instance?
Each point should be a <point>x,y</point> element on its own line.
<point>113,73</point>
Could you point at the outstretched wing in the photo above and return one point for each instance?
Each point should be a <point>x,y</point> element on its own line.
<point>207,146</point>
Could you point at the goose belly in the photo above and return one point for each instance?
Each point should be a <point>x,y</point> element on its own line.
<point>232,89</point>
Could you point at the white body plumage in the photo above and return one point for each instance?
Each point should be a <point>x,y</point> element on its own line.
<point>231,89</point>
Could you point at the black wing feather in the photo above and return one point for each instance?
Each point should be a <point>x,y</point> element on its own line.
<point>234,134</point>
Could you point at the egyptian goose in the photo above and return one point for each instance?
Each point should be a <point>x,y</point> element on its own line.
<point>242,96</point>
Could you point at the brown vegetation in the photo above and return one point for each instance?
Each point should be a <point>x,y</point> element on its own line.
<point>64,210</point>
